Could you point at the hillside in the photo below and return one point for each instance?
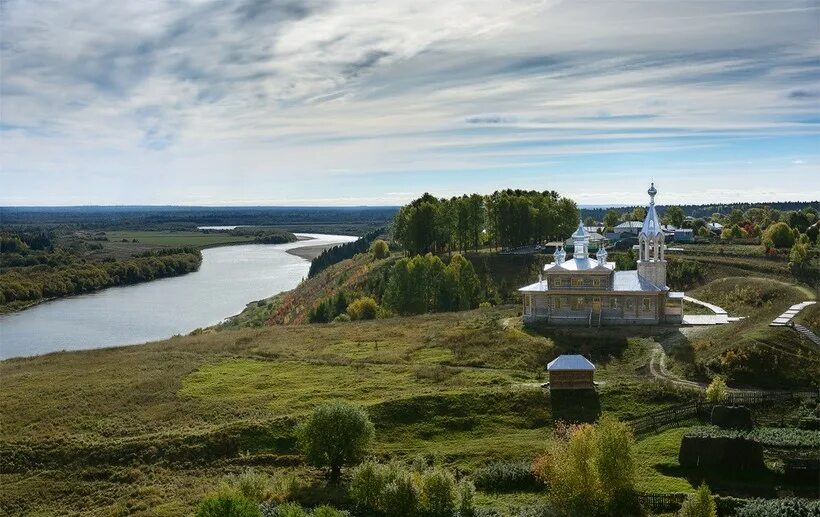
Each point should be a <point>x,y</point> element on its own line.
<point>161,423</point>
<point>749,352</point>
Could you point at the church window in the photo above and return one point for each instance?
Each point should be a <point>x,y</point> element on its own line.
<point>578,303</point>
<point>563,302</point>
<point>629,303</point>
<point>557,282</point>
<point>554,302</point>
<point>613,302</point>
<point>596,282</point>
<point>576,281</point>
<point>647,304</point>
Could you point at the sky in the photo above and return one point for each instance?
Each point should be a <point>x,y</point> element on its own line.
<point>321,102</point>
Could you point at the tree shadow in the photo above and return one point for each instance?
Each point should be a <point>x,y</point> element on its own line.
<point>575,406</point>
<point>760,482</point>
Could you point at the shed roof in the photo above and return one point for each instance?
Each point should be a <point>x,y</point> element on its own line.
<point>570,362</point>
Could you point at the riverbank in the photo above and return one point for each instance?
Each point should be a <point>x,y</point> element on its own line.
<point>310,252</point>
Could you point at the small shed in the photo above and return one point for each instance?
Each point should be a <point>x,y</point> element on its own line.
<point>571,372</point>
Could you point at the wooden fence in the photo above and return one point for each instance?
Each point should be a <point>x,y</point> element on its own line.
<point>661,502</point>
<point>700,409</point>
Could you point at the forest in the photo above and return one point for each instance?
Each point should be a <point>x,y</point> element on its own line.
<point>505,218</point>
<point>344,251</point>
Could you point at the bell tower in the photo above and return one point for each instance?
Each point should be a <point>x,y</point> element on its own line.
<point>652,250</point>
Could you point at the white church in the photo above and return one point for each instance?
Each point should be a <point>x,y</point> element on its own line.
<point>587,291</point>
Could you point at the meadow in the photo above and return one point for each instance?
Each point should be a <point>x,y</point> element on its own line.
<point>163,422</point>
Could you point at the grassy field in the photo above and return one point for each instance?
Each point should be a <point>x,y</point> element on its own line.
<point>175,239</point>
<point>161,423</point>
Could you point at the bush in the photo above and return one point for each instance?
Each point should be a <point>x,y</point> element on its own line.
<point>716,391</point>
<point>250,484</point>
<point>438,493</point>
<point>778,235</point>
<point>364,308</point>
<point>342,318</point>
<point>327,511</point>
<point>506,476</point>
<point>734,417</point>
<point>699,504</point>
<point>790,507</point>
<point>464,501</point>
<point>380,249</point>
<point>400,496</point>
<point>334,435</point>
<point>227,504</point>
<point>291,510</point>
<point>367,483</point>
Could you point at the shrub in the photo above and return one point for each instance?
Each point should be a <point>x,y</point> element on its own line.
<point>327,511</point>
<point>227,504</point>
<point>465,497</point>
<point>334,435</point>
<point>506,476</point>
<point>364,308</point>
<point>284,486</point>
<point>736,417</point>
<point>401,496</point>
<point>790,507</point>
<point>342,318</point>
<point>699,504</point>
<point>380,249</point>
<point>367,483</point>
<point>291,510</point>
<point>438,493</point>
<point>716,391</point>
<point>251,484</point>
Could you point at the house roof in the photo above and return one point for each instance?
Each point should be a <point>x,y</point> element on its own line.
<point>630,281</point>
<point>570,362</point>
<point>577,264</point>
<point>537,287</point>
<point>629,225</point>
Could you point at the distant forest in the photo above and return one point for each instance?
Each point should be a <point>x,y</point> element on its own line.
<point>705,211</point>
<point>350,220</point>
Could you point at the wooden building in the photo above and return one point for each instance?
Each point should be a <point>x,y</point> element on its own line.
<point>571,372</point>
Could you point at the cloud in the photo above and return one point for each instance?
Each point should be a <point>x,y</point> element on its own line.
<point>272,90</point>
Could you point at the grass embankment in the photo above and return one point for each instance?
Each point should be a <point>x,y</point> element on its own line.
<point>155,426</point>
<point>749,352</point>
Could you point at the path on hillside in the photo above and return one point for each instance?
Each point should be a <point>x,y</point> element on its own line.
<point>784,319</point>
<point>658,370</point>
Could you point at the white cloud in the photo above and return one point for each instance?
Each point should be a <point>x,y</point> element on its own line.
<point>209,93</point>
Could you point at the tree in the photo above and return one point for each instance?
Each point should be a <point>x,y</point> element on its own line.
<point>335,435</point>
<point>674,214</point>
<point>638,213</point>
<point>364,308</point>
<point>380,249</point>
<point>589,221</point>
<point>591,470</point>
<point>438,493</point>
<point>612,218</point>
<point>699,504</point>
<point>716,391</point>
<point>778,235</point>
<point>732,232</point>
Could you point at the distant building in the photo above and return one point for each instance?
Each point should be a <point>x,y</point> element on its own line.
<point>571,372</point>
<point>684,235</point>
<point>586,291</point>
<point>633,227</point>
<point>714,227</point>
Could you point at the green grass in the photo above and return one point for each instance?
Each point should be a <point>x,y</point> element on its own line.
<point>652,454</point>
<point>97,431</point>
<point>174,239</point>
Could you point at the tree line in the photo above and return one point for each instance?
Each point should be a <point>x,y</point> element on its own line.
<point>505,218</point>
<point>44,281</point>
<point>342,252</point>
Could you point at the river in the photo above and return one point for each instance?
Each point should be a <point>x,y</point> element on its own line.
<point>229,278</point>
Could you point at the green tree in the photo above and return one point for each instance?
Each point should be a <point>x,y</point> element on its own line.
<point>591,470</point>
<point>732,232</point>
<point>380,249</point>
<point>612,218</point>
<point>699,504</point>
<point>364,308</point>
<point>674,214</point>
<point>778,235</point>
<point>716,392</point>
<point>638,213</point>
<point>335,435</point>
